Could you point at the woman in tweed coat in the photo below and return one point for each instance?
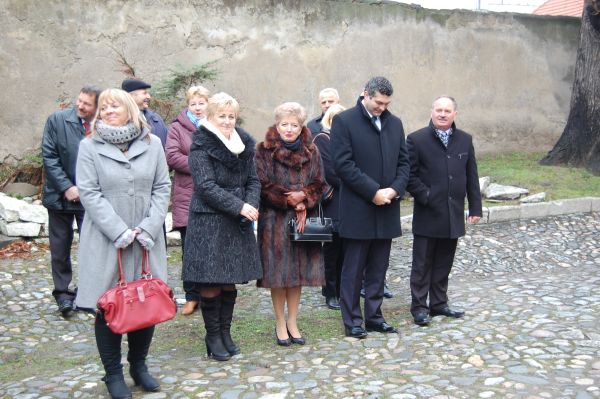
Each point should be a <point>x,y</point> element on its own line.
<point>290,172</point>
<point>220,246</point>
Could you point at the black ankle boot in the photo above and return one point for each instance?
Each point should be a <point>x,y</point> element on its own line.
<point>117,389</point>
<point>227,304</point>
<point>109,348</point>
<point>211,308</point>
<point>139,345</point>
<point>142,377</point>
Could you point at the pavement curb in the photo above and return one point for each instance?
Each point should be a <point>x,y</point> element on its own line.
<point>528,211</point>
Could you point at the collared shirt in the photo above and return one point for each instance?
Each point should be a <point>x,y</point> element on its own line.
<point>376,120</point>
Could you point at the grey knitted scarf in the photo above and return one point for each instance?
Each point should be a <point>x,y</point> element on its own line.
<point>121,136</point>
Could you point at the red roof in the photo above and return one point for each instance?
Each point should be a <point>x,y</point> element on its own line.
<point>572,8</point>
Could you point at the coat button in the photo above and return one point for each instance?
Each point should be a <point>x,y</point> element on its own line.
<point>127,166</point>
<point>450,177</point>
<point>130,191</point>
<point>448,156</point>
<point>450,198</point>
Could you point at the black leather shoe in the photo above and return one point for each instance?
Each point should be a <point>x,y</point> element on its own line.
<point>421,318</point>
<point>282,342</point>
<point>297,341</point>
<point>386,292</point>
<point>65,306</point>
<point>446,311</point>
<point>381,327</point>
<point>355,332</point>
<point>332,303</point>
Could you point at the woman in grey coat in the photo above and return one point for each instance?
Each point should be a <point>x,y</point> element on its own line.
<point>124,185</point>
<point>220,246</point>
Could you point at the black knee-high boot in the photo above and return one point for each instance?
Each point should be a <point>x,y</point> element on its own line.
<point>109,348</point>
<point>139,344</point>
<point>227,304</point>
<point>211,308</point>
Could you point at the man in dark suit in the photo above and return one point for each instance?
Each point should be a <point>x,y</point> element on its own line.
<point>372,164</point>
<point>63,131</point>
<point>443,171</point>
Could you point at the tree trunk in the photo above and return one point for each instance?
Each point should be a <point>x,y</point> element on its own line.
<point>579,144</point>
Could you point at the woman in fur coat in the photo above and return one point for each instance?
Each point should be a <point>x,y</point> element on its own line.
<point>220,246</point>
<point>291,175</point>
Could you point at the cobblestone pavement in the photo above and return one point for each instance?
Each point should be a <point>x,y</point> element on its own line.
<point>531,290</point>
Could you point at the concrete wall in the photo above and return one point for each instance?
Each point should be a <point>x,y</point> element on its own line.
<point>510,73</point>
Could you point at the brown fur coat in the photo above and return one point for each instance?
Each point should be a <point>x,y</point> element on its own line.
<point>286,263</point>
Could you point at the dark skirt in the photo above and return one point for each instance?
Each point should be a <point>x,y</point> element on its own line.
<point>218,251</point>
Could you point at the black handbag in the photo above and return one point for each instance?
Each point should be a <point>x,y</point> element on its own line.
<point>316,229</point>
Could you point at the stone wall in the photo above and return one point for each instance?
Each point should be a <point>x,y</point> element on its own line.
<point>510,73</point>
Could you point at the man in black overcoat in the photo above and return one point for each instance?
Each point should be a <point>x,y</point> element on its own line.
<point>63,131</point>
<point>372,163</point>
<point>443,171</point>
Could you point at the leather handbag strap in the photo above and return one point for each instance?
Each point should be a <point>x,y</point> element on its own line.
<point>146,273</point>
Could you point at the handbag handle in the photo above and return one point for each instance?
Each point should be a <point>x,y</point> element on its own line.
<point>321,215</point>
<point>146,273</point>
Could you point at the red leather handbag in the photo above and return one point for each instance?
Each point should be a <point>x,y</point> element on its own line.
<point>139,304</point>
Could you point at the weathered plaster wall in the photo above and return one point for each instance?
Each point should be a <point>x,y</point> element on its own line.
<point>510,73</point>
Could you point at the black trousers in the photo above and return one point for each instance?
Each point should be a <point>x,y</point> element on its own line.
<point>191,289</point>
<point>431,265</point>
<point>368,258</point>
<point>333,256</point>
<point>60,234</point>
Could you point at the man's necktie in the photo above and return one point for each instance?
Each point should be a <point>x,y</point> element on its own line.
<point>86,126</point>
<point>444,136</point>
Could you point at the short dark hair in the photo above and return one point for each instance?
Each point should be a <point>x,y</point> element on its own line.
<point>92,90</point>
<point>379,84</point>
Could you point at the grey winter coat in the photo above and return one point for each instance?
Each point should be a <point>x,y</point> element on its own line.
<point>119,192</point>
<point>217,248</point>
<point>60,144</point>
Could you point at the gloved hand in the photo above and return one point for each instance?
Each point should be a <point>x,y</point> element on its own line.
<point>300,217</point>
<point>145,240</point>
<point>125,239</point>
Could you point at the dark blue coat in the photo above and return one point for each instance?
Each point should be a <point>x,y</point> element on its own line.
<point>440,179</point>
<point>157,125</point>
<point>366,160</point>
<point>60,146</point>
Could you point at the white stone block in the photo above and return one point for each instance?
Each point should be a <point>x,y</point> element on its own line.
<point>534,211</point>
<point>595,201</point>
<point>500,192</point>
<point>169,222</point>
<point>503,213</point>
<point>484,182</point>
<point>9,208</point>
<point>19,229</point>
<point>571,205</point>
<point>173,239</point>
<point>531,199</point>
<point>33,213</point>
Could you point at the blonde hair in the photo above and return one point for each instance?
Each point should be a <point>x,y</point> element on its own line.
<point>125,99</point>
<point>220,101</point>
<point>199,91</point>
<point>290,109</point>
<point>330,113</point>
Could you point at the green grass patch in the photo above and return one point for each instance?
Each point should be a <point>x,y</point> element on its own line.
<point>523,170</point>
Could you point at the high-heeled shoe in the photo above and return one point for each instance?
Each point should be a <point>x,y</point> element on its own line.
<point>294,340</point>
<point>282,342</point>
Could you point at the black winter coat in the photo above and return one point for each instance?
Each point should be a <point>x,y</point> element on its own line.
<point>367,160</point>
<point>218,249</point>
<point>440,179</point>
<point>60,146</point>
<point>331,207</point>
